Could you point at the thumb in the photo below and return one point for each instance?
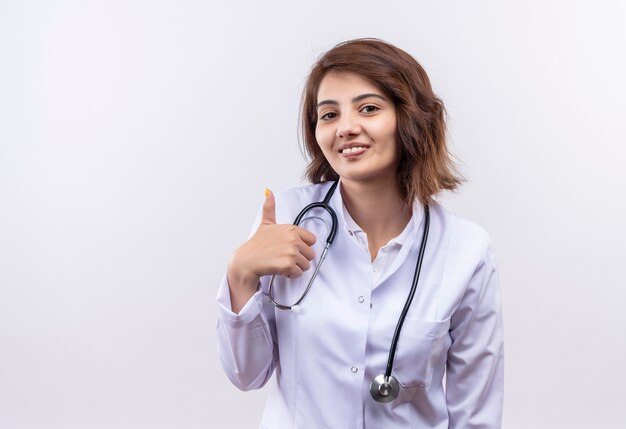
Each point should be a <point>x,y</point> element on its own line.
<point>269,209</point>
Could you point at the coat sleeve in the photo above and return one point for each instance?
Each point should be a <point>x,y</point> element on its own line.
<point>475,367</point>
<point>246,348</point>
<point>245,341</point>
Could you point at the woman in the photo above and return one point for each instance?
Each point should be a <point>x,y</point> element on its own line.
<point>372,124</point>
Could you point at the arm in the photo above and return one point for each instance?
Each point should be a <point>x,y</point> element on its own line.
<point>246,348</point>
<point>246,332</point>
<point>475,372</point>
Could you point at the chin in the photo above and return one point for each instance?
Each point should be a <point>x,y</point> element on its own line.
<point>363,177</point>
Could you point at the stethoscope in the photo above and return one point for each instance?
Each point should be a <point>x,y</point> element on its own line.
<point>384,387</point>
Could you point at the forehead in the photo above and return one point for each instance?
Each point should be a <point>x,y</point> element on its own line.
<point>338,85</point>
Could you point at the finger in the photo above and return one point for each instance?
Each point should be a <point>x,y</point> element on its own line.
<point>306,251</point>
<point>303,263</point>
<point>306,236</point>
<point>297,265</point>
<point>269,208</point>
<point>293,272</point>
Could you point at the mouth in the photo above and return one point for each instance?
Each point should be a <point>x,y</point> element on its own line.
<point>353,149</point>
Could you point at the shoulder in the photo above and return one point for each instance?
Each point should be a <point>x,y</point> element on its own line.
<point>290,202</point>
<point>465,238</point>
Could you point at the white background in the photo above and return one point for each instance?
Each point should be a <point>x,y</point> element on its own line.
<point>136,138</point>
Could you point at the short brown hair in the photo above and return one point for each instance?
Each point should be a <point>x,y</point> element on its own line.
<point>424,163</point>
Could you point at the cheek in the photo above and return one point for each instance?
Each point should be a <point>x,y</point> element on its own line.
<point>323,139</point>
<point>391,136</point>
<point>384,128</point>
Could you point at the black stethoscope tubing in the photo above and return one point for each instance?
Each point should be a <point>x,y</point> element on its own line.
<point>384,388</point>
<point>407,304</point>
<point>331,236</point>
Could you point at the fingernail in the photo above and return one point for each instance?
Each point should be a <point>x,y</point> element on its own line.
<point>267,192</point>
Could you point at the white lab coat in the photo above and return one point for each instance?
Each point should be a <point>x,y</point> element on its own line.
<point>325,356</point>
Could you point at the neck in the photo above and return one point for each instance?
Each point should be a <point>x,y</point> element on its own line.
<point>378,209</point>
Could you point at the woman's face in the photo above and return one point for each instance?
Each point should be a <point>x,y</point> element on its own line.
<point>356,128</point>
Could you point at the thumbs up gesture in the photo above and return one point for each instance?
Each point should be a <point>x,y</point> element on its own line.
<point>283,249</point>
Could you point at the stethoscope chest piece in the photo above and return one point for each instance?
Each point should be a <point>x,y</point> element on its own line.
<point>384,389</point>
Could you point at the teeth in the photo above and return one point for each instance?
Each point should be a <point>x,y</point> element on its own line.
<point>352,149</point>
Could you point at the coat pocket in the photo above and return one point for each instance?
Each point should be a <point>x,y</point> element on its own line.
<point>420,347</point>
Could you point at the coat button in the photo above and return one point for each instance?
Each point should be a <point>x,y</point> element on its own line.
<point>354,369</point>
<point>361,299</point>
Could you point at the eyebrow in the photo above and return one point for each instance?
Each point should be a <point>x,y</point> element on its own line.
<point>354,100</point>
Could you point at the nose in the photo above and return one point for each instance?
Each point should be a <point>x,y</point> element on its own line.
<point>348,126</point>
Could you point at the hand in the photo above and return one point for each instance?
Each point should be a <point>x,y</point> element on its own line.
<point>273,249</point>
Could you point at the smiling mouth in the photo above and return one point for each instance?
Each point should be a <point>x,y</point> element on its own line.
<point>350,150</point>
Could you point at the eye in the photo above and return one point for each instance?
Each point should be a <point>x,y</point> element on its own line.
<point>328,116</point>
<point>370,108</point>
